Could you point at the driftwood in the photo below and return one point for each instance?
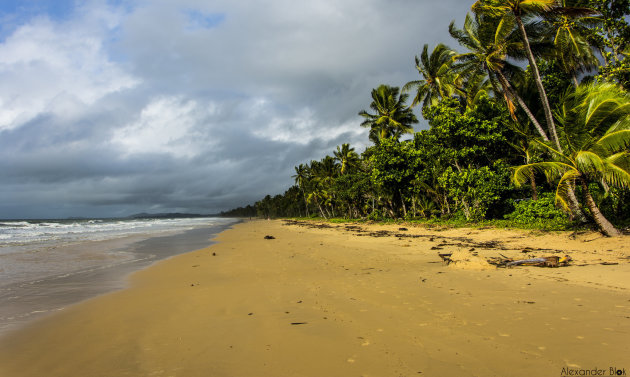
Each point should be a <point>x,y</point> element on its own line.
<point>553,261</point>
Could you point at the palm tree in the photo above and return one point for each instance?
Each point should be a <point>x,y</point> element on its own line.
<point>438,79</point>
<point>570,25</point>
<point>517,10</point>
<point>347,157</point>
<point>392,117</point>
<point>302,176</point>
<point>595,129</point>
<point>490,41</point>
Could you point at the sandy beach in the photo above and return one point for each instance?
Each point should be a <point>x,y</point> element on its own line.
<point>349,300</point>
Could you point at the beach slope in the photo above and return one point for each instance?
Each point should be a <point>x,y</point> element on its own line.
<point>348,300</point>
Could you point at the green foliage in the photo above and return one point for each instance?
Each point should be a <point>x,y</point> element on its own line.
<point>350,191</point>
<point>394,167</point>
<point>556,81</point>
<point>476,190</point>
<point>612,37</point>
<point>541,213</point>
<point>247,211</point>
<point>476,137</point>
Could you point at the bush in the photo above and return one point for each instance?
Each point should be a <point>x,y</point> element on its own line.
<point>541,213</point>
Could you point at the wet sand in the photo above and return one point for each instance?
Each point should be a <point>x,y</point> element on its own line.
<point>348,300</point>
<point>103,270</point>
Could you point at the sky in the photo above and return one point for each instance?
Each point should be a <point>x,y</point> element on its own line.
<point>109,108</point>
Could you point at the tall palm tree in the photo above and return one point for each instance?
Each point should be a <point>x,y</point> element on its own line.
<point>490,41</point>
<point>346,157</point>
<point>518,9</point>
<point>595,129</point>
<point>438,80</point>
<point>302,177</point>
<point>392,118</point>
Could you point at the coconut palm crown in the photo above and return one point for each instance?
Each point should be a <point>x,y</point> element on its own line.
<point>595,132</point>
<point>392,118</point>
<point>438,79</point>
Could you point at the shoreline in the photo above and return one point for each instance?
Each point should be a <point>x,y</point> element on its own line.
<point>341,300</point>
<point>24,301</point>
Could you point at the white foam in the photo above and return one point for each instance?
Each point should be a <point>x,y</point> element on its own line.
<point>38,233</point>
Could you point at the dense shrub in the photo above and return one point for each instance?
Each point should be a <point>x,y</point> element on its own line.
<point>541,213</point>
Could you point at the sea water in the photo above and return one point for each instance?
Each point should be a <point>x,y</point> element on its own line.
<point>46,265</point>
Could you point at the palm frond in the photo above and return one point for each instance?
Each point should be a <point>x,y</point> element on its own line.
<point>589,162</point>
<point>523,173</point>
<point>615,141</point>
<point>617,169</point>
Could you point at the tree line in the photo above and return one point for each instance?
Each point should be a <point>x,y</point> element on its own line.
<point>529,121</point>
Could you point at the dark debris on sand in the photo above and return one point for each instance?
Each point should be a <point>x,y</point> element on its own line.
<point>441,241</point>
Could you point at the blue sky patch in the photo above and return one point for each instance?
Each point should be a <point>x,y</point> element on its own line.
<point>201,20</point>
<point>25,9</point>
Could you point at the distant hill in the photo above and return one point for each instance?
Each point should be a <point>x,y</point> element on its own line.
<point>176,215</point>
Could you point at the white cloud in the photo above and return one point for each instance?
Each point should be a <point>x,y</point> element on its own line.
<point>304,128</point>
<point>166,125</point>
<point>47,67</point>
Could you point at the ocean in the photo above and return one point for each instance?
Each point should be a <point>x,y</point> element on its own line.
<point>46,265</point>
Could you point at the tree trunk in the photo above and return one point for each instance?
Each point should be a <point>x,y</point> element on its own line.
<point>402,200</point>
<point>327,211</point>
<point>604,225</point>
<point>448,207</point>
<point>574,205</point>
<point>413,204</point>
<point>576,83</point>
<point>305,203</point>
<point>507,87</point>
<point>321,211</point>
<point>391,209</point>
<point>533,183</point>
<point>466,209</point>
<point>541,89</point>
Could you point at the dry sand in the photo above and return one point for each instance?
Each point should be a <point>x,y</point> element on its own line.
<point>348,300</point>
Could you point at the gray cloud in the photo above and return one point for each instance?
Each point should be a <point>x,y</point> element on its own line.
<point>192,105</point>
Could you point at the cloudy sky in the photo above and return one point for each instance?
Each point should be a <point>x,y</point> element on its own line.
<point>109,108</point>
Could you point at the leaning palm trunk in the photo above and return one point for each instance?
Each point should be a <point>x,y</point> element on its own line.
<point>601,221</point>
<point>321,211</point>
<point>574,205</point>
<point>507,88</point>
<point>541,89</point>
